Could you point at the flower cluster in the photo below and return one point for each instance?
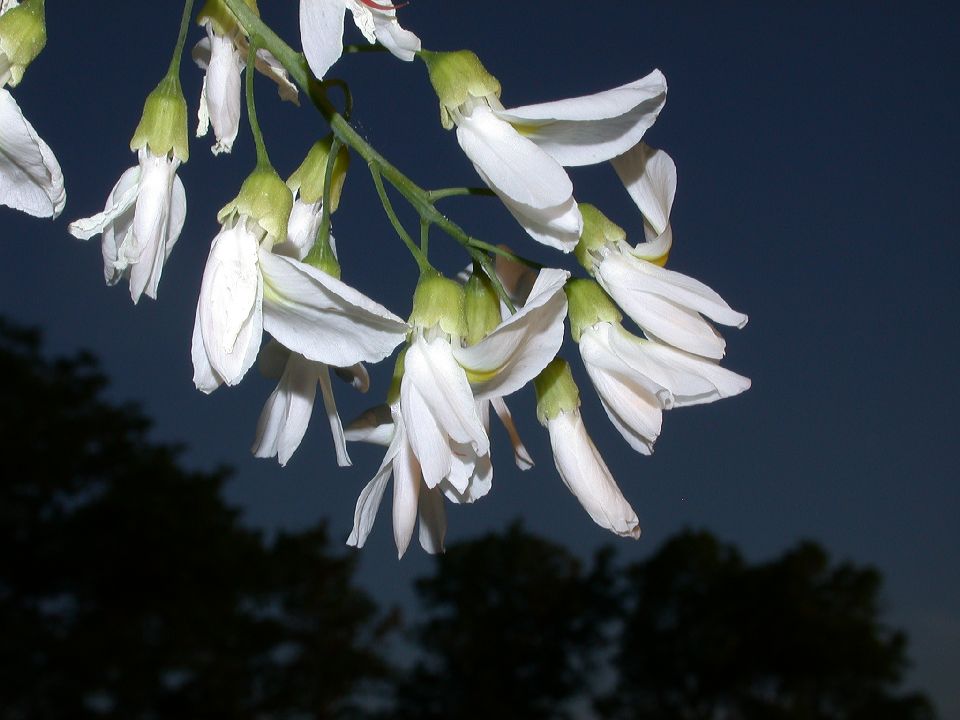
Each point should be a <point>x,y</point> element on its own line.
<point>470,341</point>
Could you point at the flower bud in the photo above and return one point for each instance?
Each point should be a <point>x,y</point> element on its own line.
<point>556,391</point>
<point>23,33</point>
<point>598,232</point>
<point>310,176</point>
<point>439,302</point>
<point>482,307</point>
<point>456,78</point>
<point>163,125</point>
<point>588,304</point>
<point>265,199</point>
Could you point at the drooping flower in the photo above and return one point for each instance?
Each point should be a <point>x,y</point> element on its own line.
<point>321,30</point>
<point>520,152</point>
<point>247,289</point>
<point>145,210</point>
<point>667,305</point>
<point>578,461</point>
<point>637,378</point>
<point>223,56</point>
<point>437,421</point>
<point>30,177</point>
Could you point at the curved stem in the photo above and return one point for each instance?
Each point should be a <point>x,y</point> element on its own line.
<point>262,159</point>
<point>181,39</point>
<point>421,259</point>
<point>441,193</point>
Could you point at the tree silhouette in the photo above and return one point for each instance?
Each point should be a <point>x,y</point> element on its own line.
<point>129,590</point>
<point>707,636</point>
<point>511,627</point>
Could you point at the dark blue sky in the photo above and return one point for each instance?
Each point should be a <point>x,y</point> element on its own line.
<point>816,147</point>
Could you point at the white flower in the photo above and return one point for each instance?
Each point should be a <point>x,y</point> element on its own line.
<point>321,30</point>
<point>223,55</point>
<point>140,223</point>
<point>286,414</point>
<point>520,152</point>
<point>247,289</point>
<point>587,476</point>
<point>438,434</point>
<point>637,378</point>
<point>30,176</point>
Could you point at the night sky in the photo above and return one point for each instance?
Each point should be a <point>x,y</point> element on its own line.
<point>816,146</point>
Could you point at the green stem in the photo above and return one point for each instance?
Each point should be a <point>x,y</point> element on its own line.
<point>262,159</point>
<point>324,231</point>
<point>424,236</point>
<point>442,193</point>
<point>181,39</point>
<point>421,259</point>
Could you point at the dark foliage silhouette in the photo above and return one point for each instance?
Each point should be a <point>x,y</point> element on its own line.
<point>129,590</point>
<point>708,636</point>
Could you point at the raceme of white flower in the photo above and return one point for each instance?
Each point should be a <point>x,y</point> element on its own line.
<point>247,288</point>
<point>30,177</point>
<point>520,152</point>
<point>146,209</point>
<point>438,437</point>
<point>222,55</point>
<point>637,378</point>
<point>578,461</point>
<point>321,30</point>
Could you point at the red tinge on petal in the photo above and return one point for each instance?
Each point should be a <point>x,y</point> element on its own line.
<point>383,6</point>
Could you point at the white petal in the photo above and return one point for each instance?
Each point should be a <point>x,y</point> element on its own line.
<point>336,427</point>
<point>520,453</point>
<point>593,128</point>
<point>369,501</point>
<point>222,89</point>
<point>323,318</point>
<point>302,228</point>
<point>270,67</point>
<point>430,366</point>
<point>433,520</point>
<point>230,306</point>
<point>650,177</point>
<point>403,44</point>
<point>373,426</point>
<point>522,345</point>
<point>30,176</point>
<point>429,442</point>
<point>511,164</point>
<point>586,475</point>
<point>272,360</point>
<point>321,33</point>
<point>630,403</point>
<point>152,223</point>
<point>363,19</point>
<point>286,414</point>
<point>406,492</point>
<point>205,377</point>
<point>356,375</point>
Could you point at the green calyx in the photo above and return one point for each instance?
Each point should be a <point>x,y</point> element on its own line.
<point>598,232</point>
<point>556,391</point>
<point>322,257</point>
<point>218,14</point>
<point>264,198</point>
<point>439,302</point>
<point>588,304</point>
<point>482,306</point>
<point>163,125</point>
<point>23,34</point>
<point>456,78</point>
<point>309,177</point>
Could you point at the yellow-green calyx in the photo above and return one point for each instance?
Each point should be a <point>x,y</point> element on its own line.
<point>218,14</point>
<point>457,77</point>
<point>482,307</point>
<point>598,232</point>
<point>393,393</point>
<point>556,391</point>
<point>588,304</point>
<point>439,302</point>
<point>309,177</point>
<point>264,198</point>
<point>23,33</point>
<point>163,125</point>
<point>322,257</point>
